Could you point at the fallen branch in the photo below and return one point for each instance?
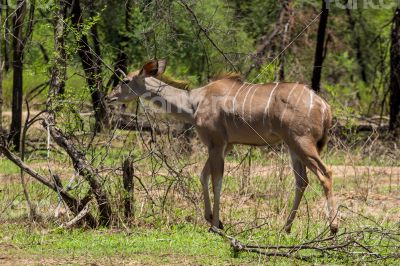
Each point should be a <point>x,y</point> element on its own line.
<point>83,167</point>
<point>73,204</point>
<point>82,214</point>
<point>347,244</point>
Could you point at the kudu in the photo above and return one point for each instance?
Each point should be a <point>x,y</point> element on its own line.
<point>227,112</point>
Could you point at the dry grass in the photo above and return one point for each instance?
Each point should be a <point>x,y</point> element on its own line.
<point>257,193</point>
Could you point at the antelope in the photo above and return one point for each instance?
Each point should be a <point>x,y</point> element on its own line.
<point>228,111</point>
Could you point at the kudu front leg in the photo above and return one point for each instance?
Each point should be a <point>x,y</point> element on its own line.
<point>216,159</point>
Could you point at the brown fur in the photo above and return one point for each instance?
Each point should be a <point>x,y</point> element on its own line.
<point>179,84</point>
<point>231,76</point>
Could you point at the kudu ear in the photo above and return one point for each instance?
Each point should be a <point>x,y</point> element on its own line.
<point>154,68</point>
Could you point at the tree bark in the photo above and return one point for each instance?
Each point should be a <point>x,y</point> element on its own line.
<point>129,188</point>
<point>59,70</point>
<point>357,46</point>
<point>394,123</point>
<point>286,21</point>
<point>96,41</point>
<point>6,37</point>
<point>84,168</point>
<point>1,68</point>
<point>319,51</point>
<point>73,204</point>
<point>121,63</point>
<point>16,117</point>
<point>91,68</point>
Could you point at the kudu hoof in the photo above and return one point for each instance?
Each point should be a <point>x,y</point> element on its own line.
<point>220,227</point>
<point>216,230</point>
<point>334,229</point>
<point>220,224</point>
<point>288,229</point>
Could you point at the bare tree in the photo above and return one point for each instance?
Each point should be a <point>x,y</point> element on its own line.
<point>268,43</point>
<point>90,63</point>
<point>357,45</point>
<point>6,35</point>
<point>1,68</point>
<point>59,73</point>
<point>286,19</point>
<point>394,124</point>
<point>16,119</point>
<point>81,164</point>
<point>319,51</point>
<point>122,57</point>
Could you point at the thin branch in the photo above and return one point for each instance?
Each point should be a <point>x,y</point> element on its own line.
<point>82,214</point>
<point>74,204</point>
<point>206,33</point>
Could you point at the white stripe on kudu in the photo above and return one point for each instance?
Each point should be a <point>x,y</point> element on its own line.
<point>311,102</point>
<point>237,93</point>
<point>287,100</point>
<point>245,97</point>
<point>266,110</point>
<point>323,107</point>
<point>251,101</point>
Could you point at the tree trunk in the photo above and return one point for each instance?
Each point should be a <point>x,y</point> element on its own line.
<point>286,20</point>
<point>16,118</point>
<point>95,38</point>
<point>73,204</point>
<point>129,188</point>
<point>85,169</point>
<point>6,37</point>
<point>1,68</point>
<point>81,165</point>
<point>394,124</point>
<point>59,70</point>
<point>92,71</point>
<point>319,51</point>
<point>268,42</point>
<point>121,63</point>
<point>357,46</point>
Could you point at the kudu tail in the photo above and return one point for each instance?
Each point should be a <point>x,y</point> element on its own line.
<point>321,143</point>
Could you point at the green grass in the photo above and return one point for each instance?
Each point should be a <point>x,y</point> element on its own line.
<point>185,244</point>
<point>173,231</point>
<point>7,167</point>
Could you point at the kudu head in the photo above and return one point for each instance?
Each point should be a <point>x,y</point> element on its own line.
<point>133,85</point>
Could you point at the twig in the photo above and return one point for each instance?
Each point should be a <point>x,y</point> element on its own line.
<point>78,217</point>
<point>344,243</point>
<point>73,204</point>
<point>206,33</point>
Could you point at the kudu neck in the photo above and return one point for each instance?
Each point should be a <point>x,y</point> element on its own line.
<point>171,100</point>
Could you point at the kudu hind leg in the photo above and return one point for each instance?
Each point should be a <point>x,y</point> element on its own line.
<point>315,164</point>
<point>301,180</point>
<point>205,178</point>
